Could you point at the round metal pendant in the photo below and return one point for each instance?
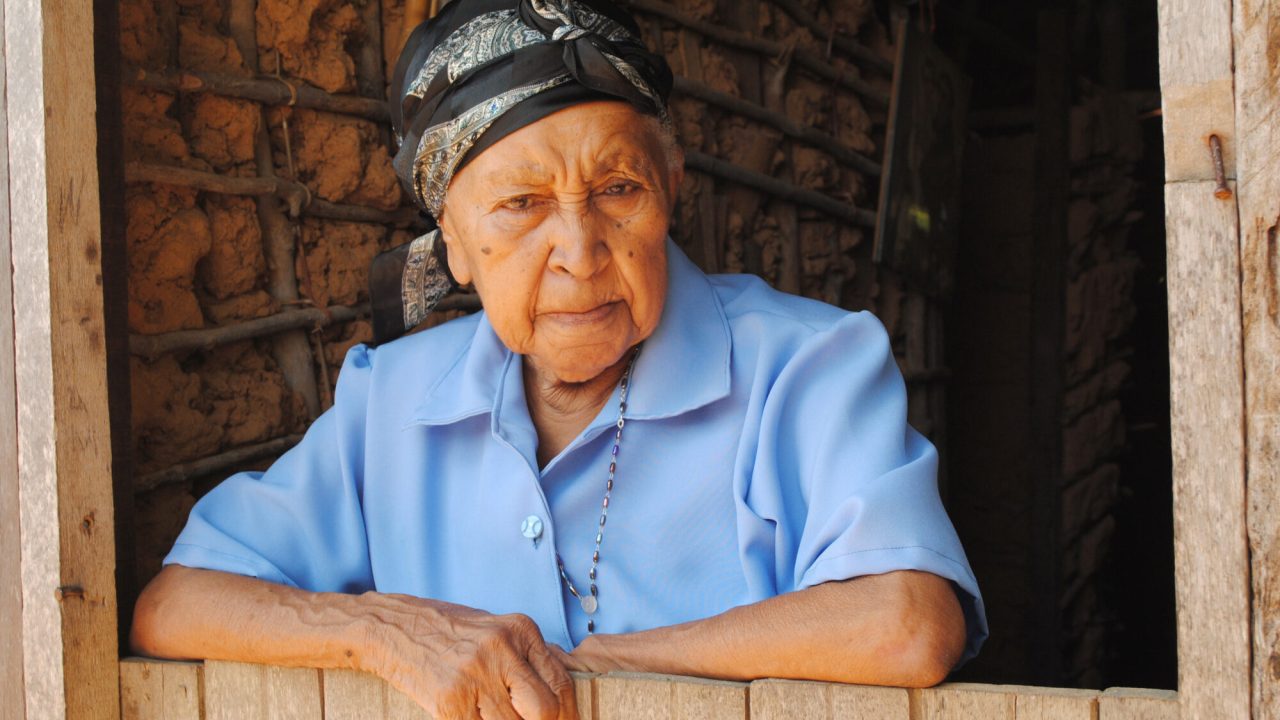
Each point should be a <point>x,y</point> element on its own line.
<point>589,604</point>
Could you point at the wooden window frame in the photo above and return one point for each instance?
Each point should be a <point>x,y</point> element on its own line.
<point>56,509</point>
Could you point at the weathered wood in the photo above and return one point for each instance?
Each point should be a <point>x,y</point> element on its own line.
<point>160,690</point>
<point>214,464</point>
<point>761,46</point>
<point>782,699</point>
<point>855,49</point>
<point>1139,704</point>
<point>295,195</point>
<point>270,91</point>
<point>1207,407</point>
<point>151,346</point>
<point>584,694</point>
<point>701,162</point>
<point>241,691</point>
<point>1196,85</point>
<point>64,459</point>
<point>962,701</point>
<point>1040,703</point>
<point>625,696</point>
<point>804,133</point>
<point>351,695</point>
<point>291,350</point>
<point>1257,114</point>
<point>12,700</point>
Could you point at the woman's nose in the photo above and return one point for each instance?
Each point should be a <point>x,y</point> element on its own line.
<point>578,249</point>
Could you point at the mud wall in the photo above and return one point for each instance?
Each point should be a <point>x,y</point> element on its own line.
<point>243,301</point>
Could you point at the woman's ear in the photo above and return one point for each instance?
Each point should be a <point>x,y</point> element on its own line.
<point>676,178</point>
<point>455,256</point>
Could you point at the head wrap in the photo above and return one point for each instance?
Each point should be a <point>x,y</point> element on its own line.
<point>475,73</point>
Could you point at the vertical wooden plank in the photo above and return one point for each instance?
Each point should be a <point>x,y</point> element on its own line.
<point>863,701</point>
<point>1195,85</point>
<point>711,699</point>
<point>632,698</point>
<point>352,695</point>
<point>1138,704</point>
<point>963,701</point>
<point>159,690</point>
<point>293,694</point>
<point>1256,35</point>
<point>584,693</point>
<point>68,585</point>
<point>782,699</point>
<point>1036,703</point>
<point>1207,405</point>
<point>1205,357</point>
<point>241,691</point>
<point>12,697</point>
<point>626,696</point>
<point>141,691</point>
<point>33,364</point>
<point>234,691</point>
<point>86,503</point>
<point>779,699</point>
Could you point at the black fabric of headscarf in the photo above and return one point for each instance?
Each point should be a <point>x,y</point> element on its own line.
<point>593,76</point>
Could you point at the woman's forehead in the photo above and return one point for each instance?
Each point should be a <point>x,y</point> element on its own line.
<point>606,142</point>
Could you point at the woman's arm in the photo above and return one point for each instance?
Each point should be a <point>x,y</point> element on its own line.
<point>902,628</point>
<point>456,662</point>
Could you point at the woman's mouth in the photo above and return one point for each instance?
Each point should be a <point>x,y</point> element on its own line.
<point>587,316</point>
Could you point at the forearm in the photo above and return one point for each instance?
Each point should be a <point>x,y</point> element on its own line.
<point>896,629</point>
<point>189,613</point>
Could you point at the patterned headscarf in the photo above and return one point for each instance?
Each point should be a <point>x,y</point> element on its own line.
<point>477,72</point>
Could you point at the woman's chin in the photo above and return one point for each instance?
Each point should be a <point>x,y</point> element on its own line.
<point>575,367</point>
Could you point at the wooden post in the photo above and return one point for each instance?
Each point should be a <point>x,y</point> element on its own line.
<point>68,612</point>
<point>1211,555</point>
<point>12,697</point>
<point>1257,123</point>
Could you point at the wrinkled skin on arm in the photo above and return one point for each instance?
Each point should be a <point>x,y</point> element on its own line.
<point>456,662</point>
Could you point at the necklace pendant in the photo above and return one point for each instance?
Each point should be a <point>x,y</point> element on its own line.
<point>589,604</point>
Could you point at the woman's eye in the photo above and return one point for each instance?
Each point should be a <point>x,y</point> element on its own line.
<point>524,202</point>
<point>622,188</point>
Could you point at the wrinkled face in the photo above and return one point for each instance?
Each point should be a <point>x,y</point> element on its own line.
<point>561,226</point>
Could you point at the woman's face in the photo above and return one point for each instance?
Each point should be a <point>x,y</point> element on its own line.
<point>561,226</point>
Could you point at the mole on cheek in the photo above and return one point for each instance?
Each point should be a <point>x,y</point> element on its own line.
<point>486,249</point>
<point>631,253</point>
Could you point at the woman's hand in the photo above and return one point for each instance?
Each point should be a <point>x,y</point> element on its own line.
<point>458,662</point>
<point>455,661</point>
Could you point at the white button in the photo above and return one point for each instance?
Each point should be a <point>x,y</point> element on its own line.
<point>531,527</point>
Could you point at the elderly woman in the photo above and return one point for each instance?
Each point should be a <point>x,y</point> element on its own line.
<point>620,464</point>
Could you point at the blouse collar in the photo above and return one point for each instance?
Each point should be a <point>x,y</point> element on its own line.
<point>684,364</point>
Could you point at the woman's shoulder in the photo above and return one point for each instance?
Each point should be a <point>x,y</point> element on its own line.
<point>414,360</point>
<point>751,303</point>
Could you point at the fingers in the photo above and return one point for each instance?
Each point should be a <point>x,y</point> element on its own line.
<point>496,707</point>
<point>554,673</point>
<point>531,697</point>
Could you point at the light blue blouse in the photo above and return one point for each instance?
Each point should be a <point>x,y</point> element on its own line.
<point>766,450</point>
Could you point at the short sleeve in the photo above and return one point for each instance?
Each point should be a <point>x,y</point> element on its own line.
<point>299,523</point>
<point>851,486</point>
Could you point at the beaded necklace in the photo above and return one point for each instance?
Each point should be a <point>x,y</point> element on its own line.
<point>590,602</point>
